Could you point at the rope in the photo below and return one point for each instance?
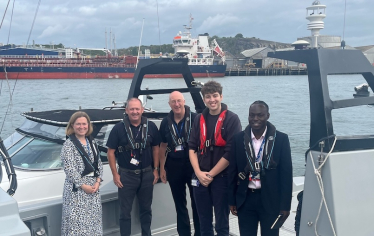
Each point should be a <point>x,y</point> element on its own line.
<point>9,108</point>
<point>4,14</point>
<point>32,26</point>
<point>317,172</point>
<point>11,20</point>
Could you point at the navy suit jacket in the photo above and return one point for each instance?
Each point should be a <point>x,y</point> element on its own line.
<point>276,185</point>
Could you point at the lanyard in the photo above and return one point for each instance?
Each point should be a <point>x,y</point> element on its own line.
<point>88,147</point>
<point>179,133</point>
<point>261,150</point>
<point>138,132</point>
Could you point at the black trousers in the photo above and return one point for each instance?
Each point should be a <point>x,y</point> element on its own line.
<point>252,212</point>
<point>140,185</point>
<point>214,197</point>
<point>179,172</point>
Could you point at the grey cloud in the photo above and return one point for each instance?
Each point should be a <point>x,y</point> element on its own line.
<point>83,23</point>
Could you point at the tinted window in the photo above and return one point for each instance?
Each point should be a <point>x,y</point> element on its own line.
<point>12,139</point>
<point>103,135</point>
<point>18,145</point>
<point>38,154</point>
<point>50,131</point>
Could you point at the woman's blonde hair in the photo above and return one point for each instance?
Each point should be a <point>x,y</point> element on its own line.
<point>73,118</point>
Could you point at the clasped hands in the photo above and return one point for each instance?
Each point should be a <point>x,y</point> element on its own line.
<point>90,189</point>
<point>205,178</point>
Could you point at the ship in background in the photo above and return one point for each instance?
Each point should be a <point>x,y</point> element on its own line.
<point>37,63</point>
<point>204,60</point>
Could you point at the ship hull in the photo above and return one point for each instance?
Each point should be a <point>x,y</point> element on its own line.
<point>28,72</point>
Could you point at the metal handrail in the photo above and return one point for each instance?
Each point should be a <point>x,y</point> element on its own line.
<point>8,168</point>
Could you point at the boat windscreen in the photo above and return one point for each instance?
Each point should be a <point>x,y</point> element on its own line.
<point>45,130</point>
<point>12,140</point>
<point>37,155</point>
<point>103,135</point>
<point>17,146</point>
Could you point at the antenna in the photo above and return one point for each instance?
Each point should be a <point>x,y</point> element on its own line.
<point>345,10</point>
<point>158,22</point>
<point>114,43</point>
<point>141,35</point>
<point>106,41</point>
<point>110,40</point>
<point>315,14</point>
<point>342,44</point>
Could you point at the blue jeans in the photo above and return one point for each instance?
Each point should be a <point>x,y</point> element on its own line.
<point>215,196</point>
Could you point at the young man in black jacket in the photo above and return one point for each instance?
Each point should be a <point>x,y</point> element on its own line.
<point>260,174</point>
<point>209,155</point>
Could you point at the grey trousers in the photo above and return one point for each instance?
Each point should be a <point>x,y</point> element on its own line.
<point>141,186</point>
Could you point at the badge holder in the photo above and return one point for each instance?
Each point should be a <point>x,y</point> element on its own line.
<point>133,160</point>
<point>195,181</point>
<point>180,146</point>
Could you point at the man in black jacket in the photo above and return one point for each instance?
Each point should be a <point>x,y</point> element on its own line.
<point>175,166</point>
<point>260,174</point>
<point>210,144</point>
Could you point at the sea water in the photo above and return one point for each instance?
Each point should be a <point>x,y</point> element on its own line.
<point>287,97</point>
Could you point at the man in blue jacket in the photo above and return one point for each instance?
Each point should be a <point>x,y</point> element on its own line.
<point>260,174</point>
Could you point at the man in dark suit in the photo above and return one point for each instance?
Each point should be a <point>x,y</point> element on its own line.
<point>260,174</point>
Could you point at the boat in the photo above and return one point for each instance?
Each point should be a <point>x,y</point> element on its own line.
<point>204,60</point>
<point>329,160</point>
<point>34,150</point>
<point>337,197</point>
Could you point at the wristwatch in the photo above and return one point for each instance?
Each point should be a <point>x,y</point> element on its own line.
<point>156,168</point>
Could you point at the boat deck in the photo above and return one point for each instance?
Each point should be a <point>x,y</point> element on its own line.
<point>288,228</point>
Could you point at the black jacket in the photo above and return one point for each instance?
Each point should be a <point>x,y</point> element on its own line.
<point>276,185</point>
<point>231,126</point>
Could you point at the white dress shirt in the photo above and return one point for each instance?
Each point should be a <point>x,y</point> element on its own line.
<point>256,143</point>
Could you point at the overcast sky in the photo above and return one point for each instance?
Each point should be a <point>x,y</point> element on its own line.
<point>82,23</point>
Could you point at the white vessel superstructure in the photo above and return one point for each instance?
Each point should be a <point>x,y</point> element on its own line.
<point>197,50</point>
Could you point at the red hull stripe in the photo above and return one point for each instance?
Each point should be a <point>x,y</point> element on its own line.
<point>61,75</point>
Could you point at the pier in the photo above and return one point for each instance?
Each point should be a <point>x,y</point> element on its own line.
<point>265,72</point>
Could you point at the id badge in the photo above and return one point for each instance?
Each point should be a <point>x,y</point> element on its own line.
<point>195,182</point>
<point>90,174</point>
<point>134,161</point>
<point>256,176</point>
<point>179,148</point>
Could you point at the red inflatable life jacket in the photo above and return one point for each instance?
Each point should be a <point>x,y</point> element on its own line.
<point>218,140</point>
